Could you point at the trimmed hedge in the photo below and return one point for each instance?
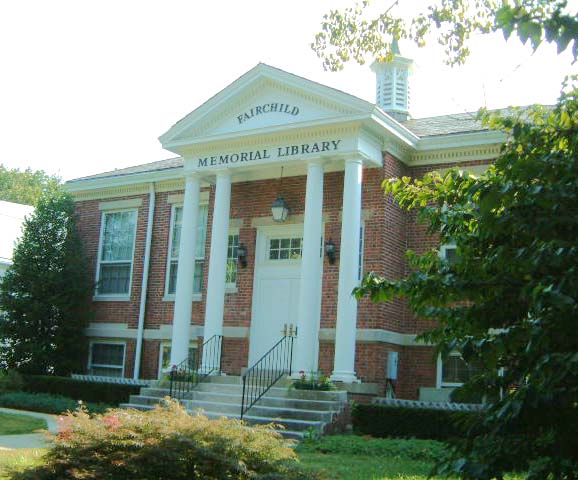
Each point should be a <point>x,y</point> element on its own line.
<point>46,403</point>
<point>384,421</point>
<point>111,393</point>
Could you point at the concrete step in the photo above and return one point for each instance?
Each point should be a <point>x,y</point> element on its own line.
<point>289,424</point>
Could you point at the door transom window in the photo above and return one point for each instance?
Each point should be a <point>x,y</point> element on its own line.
<point>287,248</point>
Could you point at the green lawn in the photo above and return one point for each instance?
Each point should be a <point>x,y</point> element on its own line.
<point>16,424</point>
<point>18,460</point>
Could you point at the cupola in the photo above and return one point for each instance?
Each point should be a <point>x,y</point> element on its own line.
<point>392,84</point>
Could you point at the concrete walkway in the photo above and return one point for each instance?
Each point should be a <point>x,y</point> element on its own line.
<point>29,440</point>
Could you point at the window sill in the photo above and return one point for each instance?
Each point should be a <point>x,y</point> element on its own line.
<point>230,289</point>
<point>197,297</point>
<point>111,298</point>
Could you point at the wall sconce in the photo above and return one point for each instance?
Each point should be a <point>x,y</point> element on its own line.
<point>279,210</point>
<point>330,251</point>
<point>242,255</point>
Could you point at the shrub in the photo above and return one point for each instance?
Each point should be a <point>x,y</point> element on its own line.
<point>46,403</point>
<point>314,382</point>
<point>10,381</point>
<point>385,421</point>
<point>419,450</point>
<point>111,393</point>
<point>166,443</point>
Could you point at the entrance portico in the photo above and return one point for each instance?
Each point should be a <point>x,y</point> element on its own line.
<point>309,130</point>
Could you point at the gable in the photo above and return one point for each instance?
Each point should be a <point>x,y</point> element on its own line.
<point>261,100</point>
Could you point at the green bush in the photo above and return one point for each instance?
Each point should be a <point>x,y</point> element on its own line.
<point>46,403</point>
<point>403,422</point>
<point>165,443</point>
<point>10,381</point>
<point>419,450</point>
<point>111,393</point>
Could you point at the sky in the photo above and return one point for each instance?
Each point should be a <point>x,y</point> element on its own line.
<point>89,86</point>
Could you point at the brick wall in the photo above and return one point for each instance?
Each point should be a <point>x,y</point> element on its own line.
<point>389,231</point>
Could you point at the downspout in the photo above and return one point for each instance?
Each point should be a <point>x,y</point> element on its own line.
<point>144,283</point>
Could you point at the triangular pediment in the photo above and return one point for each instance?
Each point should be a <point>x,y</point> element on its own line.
<point>262,100</point>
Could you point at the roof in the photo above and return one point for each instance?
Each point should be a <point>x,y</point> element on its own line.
<point>11,220</point>
<point>445,124</point>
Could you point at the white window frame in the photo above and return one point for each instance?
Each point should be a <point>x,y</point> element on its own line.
<point>170,297</point>
<point>107,342</point>
<point>192,345</point>
<point>361,251</point>
<point>231,287</point>
<point>445,247</point>
<point>439,373</point>
<point>118,297</point>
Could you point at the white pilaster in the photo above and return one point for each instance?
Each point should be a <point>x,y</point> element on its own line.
<point>345,332</point>
<point>217,267</point>
<point>186,270</point>
<point>306,351</point>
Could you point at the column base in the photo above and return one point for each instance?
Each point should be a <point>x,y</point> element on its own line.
<point>346,377</point>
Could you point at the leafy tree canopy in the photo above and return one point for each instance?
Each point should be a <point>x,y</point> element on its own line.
<point>354,33</point>
<point>45,294</point>
<point>510,299</point>
<point>26,186</point>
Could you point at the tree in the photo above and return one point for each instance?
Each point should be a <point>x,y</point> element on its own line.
<point>355,33</point>
<point>26,186</point>
<point>45,294</point>
<point>510,299</point>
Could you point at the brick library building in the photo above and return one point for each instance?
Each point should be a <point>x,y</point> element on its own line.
<point>261,225</point>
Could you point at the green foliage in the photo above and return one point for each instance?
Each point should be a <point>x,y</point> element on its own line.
<point>313,382</point>
<point>16,424</point>
<point>45,294</point>
<point>390,448</point>
<point>46,403</point>
<point>166,443</point>
<point>509,301</point>
<point>402,422</point>
<point>352,33</point>
<point>10,381</point>
<point>26,187</point>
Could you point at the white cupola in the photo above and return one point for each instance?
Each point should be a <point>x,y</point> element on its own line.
<point>392,84</point>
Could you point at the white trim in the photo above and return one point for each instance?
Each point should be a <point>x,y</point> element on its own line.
<point>107,342</point>
<point>179,198</point>
<point>439,373</point>
<point>109,297</point>
<point>120,204</point>
<point>193,345</point>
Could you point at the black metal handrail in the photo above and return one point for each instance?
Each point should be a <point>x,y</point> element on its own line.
<point>258,379</point>
<point>190,372</point>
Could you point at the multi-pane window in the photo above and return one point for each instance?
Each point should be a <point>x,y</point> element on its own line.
<point>232,255</point>
<point>455,371</point>
<point>449,252</point>
<point>116,254</point>
<point>286,248</point>
<point>165,358</point>
<point>173,260</point>
<point>106,359</point>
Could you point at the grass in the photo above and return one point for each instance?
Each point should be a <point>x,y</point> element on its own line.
<point>18,460</point>
<point>14,424</point>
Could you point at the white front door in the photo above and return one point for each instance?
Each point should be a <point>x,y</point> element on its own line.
<point>275,287</point>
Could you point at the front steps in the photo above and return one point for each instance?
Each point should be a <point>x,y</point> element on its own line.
<point>300,412</point>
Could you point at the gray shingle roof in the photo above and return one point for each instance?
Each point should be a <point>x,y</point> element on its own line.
<point>444,124</point>
<point>143,168</point>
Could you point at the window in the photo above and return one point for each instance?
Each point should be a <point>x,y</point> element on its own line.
<point>106,359</point>
<point>449,252</point>
<point>173,255</point>
<point>165,357</point>
<point>454,371</point>
<point>116,252</point>
<point>285,248</point>
<point>232,256</point>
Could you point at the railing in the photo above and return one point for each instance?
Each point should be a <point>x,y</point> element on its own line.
<point>258,379</point>
<point>190,372</point>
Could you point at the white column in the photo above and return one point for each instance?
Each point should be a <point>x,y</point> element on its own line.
<point>346,328</point>
<point>186,271</point>
<point>306,350</point>
<point>217,268</point>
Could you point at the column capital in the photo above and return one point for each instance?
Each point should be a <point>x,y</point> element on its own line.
<point>354,160</point>
<point>223,173</point>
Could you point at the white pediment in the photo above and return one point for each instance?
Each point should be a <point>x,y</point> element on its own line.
<point>262,100</point>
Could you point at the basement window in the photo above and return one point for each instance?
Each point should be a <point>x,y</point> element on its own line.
<point>106,359</point>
